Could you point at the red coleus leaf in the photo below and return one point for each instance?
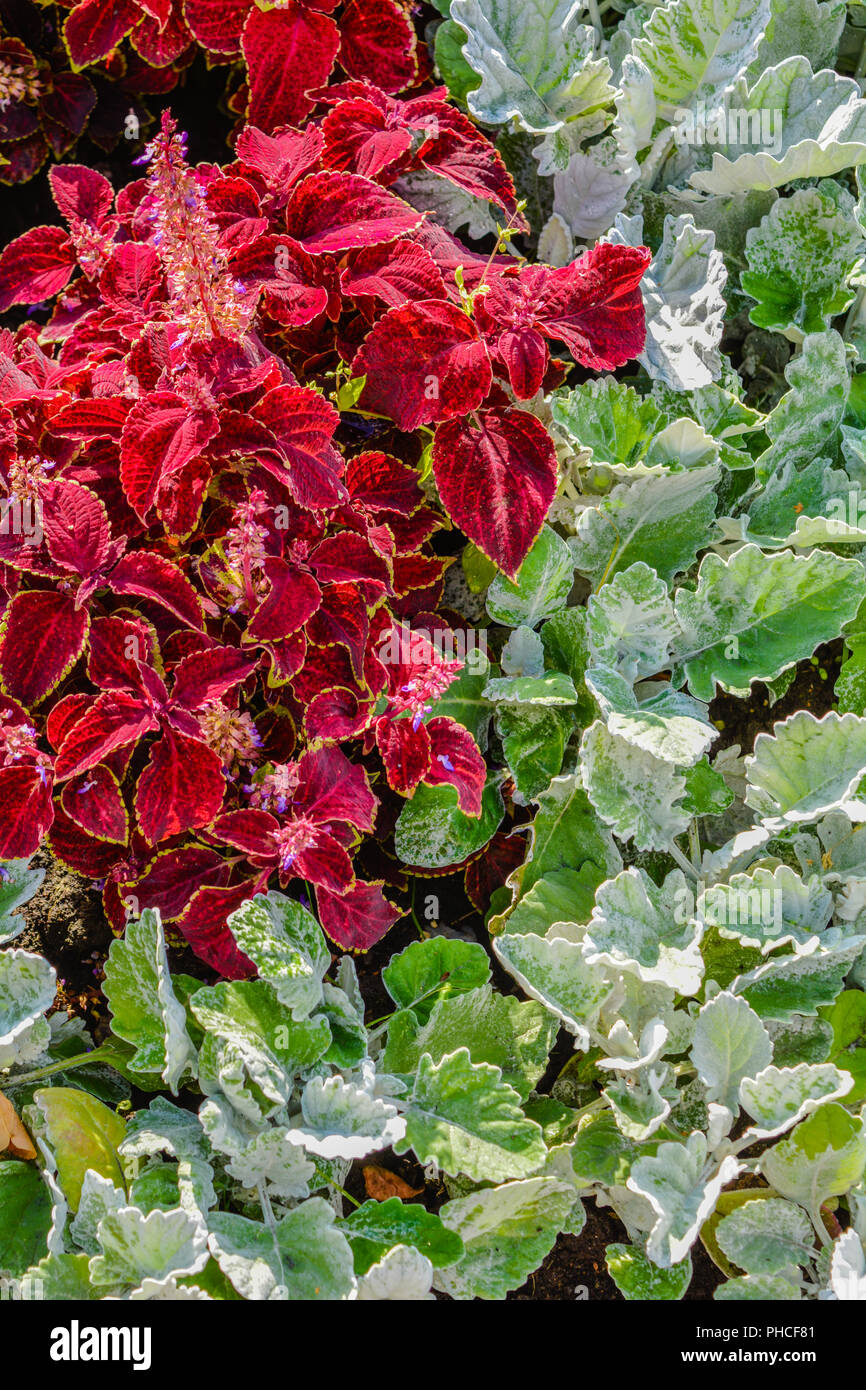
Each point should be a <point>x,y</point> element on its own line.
<point>181,788</point>
<point>341,619</point>
<point>217,24</point>
<point>94,802</point>
<point>302,423</point>
<point>205,676</point>
<point>455,759</point>
<point>102,417</point>
<point>283,270</point>
<point>161,434</point>
<point>496,480</point>
<point>203,924</point>
<point>593,305</point>
<point>67,711</point>
<point>151,576</point>
<point>281,159</point>
<point>378,41</point>
<point>66,109</point>
<point>492,867</point>
<point>173,876</point>
<point>336,714</point>
<point>132,279</point>
<point>160,45</point>
<point>360,137</point>
<point>358,919</point>
<point>331,212</point>
<point>43,636</point>
<point>26,811</point>
<point>288,52</point>
<point>250,831</point>
<point>398,274</point>
<point>118,647</point>
<point>96,27</point>
<point>77,849</point>
<point>292,599</point>
<point>339,559</point>
<point>333,789</point>
<point>81,194</point>
<point>458,151</point>
<point>35,266</point>
<point>75,525</point>
<point>382,483</point>
<point>113,720</point>
<point>405,752</point>
<point>423,362</point>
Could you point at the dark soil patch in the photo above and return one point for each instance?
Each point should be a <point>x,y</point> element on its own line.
<point>740,721</point>
<point>66,923</point>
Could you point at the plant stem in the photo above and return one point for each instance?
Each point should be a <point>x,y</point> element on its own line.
<point>79,1060</point>
<point>695,844</point>
<point>685,864</point>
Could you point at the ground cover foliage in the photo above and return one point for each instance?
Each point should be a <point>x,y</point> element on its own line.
<point>386,500</point>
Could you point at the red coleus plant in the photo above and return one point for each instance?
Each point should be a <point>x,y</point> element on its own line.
<point>208,664</point>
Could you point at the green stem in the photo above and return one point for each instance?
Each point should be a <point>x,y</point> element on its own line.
<point>79,1060</point>
<point>687,867</point>
<point>343,1193</point>
<point>695,844</point>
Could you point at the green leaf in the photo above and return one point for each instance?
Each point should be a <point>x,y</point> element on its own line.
<point>433,833</point>
<point>663,521</point>
<point>673,1183</point>
<point>542,586</point>
<point>767,908</point>
<point>26,1206</point>
<point>753,615</point>
<point>82,1133</point>
<point>551,688</point>
<point>636,1277</point>
<point>458,76</point>
<point>694,48</point>
<point>821,124</point>
<point>847,1017</point>
<point>777,1098</point>
<point>669,725</point>
<point>529,57</point>
<point>304,1257</point>
<point>824,1157</point>
<point>730,1043</point>
<point>766,1237</point>
<point>167,1129</point>
<point>507,1231</point>
<point>465,1118</point>
<point>27,988</point>
<point>800,259</point>
<point>254,1047</point>
<point>554,971</point>
<point>707,792</point>
<point>374,1228</point>
<point>533,740</point>
<point>62,1278</point>
<point>563,896</point>
<point>760,1288</point>
<point>18,883</point>
<point>427,971</point>
<point>341,1120</point>
<point>808,415</point>
<point>516,1037</point>
<point>632,623</point>
<point>807,767</point>
<point>135,1247</point>
<point>683,296</point>
<point>802,26</point>
<point>286,945</point>
<point>566,648</point>
<point>610,419</point>
<point>798,984</point>
<point>639,927</point>
<point>633,792</point>
<point>145,1011</point>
